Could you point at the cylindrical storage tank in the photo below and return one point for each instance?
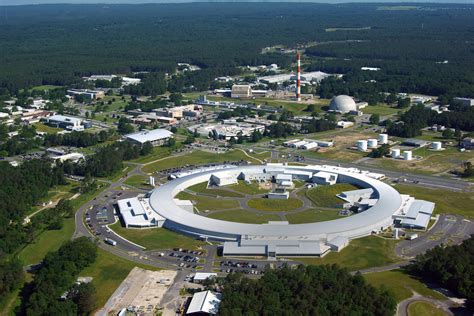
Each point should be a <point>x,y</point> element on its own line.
<point>383,138</point>
<point>362,145</point>
<point>436,145</point>
<point>407,155</point>
<point>395,153</point>
<point>372,143</point>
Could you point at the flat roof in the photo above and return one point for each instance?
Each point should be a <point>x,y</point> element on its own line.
<point>150,136</point>
<point>64,118</point>
<point>177,218</point>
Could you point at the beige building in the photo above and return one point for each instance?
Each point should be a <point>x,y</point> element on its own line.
<point>241,91</point>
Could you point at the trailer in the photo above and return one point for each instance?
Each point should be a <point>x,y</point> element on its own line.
<point>110,241</point>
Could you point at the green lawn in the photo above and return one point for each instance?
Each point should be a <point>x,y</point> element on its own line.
<point>424,309</point>
<point>401,284</point>
<point>246,188</point>
<point>432,162</point>
<point>157,153</point>
<point>447,202</point>
<point>108,271</point>
<point>275,205</point>
<point>381,109</point>
<point>243,216</point>
<point>203,203</point>
<point>40,127</point>
<point>138,181</point>
<point>196,158</point>
<point>51,240</point>
<point>312,216</point>
<point>156,238</point>
<point>202,188</point>
<point>325,195</point>
<point>45,87</point>
<point>361,253</point>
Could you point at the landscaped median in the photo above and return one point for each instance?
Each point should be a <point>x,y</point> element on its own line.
<point>275,205</point>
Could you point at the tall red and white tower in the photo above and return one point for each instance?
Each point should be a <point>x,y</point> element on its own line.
<point>298,78</point>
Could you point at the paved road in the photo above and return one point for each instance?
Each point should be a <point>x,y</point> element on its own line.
<point>416,179</point>
<point>445,305</point>
<point>450,229</point>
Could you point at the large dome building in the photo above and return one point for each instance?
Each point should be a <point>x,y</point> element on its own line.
<point>342,104</point>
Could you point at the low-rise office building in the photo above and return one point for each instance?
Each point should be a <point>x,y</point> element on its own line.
<point>156,137</point>
<point>66,122</point>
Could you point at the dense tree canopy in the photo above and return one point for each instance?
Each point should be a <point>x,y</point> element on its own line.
<point>306,290</point>
<point>451,267</point>
<point>58,275</point>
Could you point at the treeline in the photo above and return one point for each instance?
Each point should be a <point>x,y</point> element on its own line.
<point>306,290</point>
<point>226,35</point>
<point>77,139</point>
<point>418,117</point>
<point>22,187</point>
<point>11,276</point>
<point>451,267</point>
<point>53,289</point>
<point>107,160</point>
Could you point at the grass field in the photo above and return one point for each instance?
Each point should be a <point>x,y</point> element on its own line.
<point>157,153</point>
<point>447,202</point>
<point>108,271</point>
<point>243,216</point>
<point>156,238</point>
<point>138,181</point>
<point>424,309</point>
<point>51,240</point>
<point>203,203</point>
<point>45,87</point>
<point>202,188</point>
<point>381,109</point>
<point>40,127</point>
<point>248,189</point>
<point>325,195</point>
<point>361,253</point>
<point>312,216</point>
<point>401,284</point>
<point>275,205</point>
<point>196,158</point>
<point>432,161</point>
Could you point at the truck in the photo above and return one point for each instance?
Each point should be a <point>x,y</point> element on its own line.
<point>412,236</point>
<point>110,241</point>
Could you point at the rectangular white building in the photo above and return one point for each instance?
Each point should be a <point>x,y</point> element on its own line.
<point>137,212</point>
<point>325,178</point>
<point>156,137</point>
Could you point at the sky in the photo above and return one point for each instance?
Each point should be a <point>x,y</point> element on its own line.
<point>22,2</point>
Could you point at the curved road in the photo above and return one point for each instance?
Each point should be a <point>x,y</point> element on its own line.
<point>449,228</point>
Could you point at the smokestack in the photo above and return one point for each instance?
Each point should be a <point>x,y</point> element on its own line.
<point>298,79</point>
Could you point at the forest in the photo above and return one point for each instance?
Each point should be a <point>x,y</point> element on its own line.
<point>53,290</point>
<point>57,44</point>
<point>451,267</point>
<point>22,187</point>
<point>418,117</point>
<point>306,290</point>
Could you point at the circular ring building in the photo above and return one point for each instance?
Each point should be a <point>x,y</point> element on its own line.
<point>381,205</point>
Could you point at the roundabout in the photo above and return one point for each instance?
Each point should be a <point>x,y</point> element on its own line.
<point>383,205</point>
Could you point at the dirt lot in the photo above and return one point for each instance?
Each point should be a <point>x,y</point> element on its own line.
<point>142,290</point>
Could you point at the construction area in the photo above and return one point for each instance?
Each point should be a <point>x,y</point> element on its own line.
<point>141,292</point>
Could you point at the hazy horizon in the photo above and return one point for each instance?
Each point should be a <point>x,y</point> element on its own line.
<point>35,2</point>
